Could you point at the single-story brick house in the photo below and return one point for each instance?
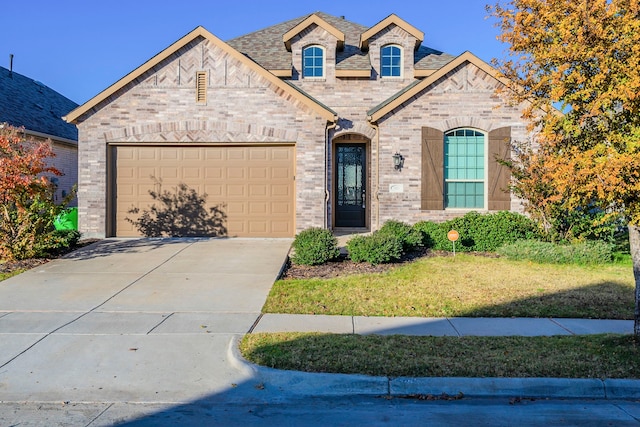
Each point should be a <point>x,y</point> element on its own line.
<point>38,109</point>
<point>314,122</point>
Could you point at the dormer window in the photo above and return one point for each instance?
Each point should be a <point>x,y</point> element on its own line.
<point>313,62</point>
<point>391,61</point>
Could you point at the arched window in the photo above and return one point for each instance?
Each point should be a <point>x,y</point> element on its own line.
<point>313,62</point>
<point>464,169</point>
<point>391,61</point>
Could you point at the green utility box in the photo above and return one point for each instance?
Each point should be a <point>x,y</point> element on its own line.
<point>67,220</point>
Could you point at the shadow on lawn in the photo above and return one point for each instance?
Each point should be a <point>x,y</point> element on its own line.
<point>604,300</point>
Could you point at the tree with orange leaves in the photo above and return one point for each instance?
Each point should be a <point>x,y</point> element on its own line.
<point>583,56</point>
<point>27,210</point>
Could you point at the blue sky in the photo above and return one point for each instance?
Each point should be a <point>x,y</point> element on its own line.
<point>79,48</point>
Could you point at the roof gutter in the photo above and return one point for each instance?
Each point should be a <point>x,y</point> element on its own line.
<point>55,138</point>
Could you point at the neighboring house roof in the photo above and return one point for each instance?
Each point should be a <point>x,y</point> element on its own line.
<point>419,85</point>
<point>296,93</point>
<point>27,103</point>
<point>267,48</point>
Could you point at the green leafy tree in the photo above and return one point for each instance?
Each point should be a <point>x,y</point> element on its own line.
<point>584,56</point>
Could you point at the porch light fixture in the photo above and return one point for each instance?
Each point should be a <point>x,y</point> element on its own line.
<point>398,161</point>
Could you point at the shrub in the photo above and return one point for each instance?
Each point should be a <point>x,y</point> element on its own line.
<point>314,246</point>
<point>59,241</point>
<point>434,235</point>
<point>410,237</point>
<point>562,224</point>
<point>481,233</point>
<point>592,252</point>
<point>27,210</point>
<point>26,228</point>
<point>375,248</point>
<point>494,230</point>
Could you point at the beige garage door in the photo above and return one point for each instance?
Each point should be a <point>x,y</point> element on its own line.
<point>252,187</point>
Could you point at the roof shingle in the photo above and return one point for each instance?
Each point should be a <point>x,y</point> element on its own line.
<point>27,103</point>
<point>267,48</point>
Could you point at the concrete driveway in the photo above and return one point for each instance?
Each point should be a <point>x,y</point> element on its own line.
<point>142,320</point>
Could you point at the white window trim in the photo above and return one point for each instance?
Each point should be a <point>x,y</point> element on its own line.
<point>401,76</point>
<point>324,64</point>
<point>485,178</point>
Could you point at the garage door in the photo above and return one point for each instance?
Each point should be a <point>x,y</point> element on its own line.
<point>252,186</point>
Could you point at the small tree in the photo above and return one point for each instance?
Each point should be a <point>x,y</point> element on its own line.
<point>27,210</point>
<point>584,56</point>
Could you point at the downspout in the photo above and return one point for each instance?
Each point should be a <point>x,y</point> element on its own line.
<point>377,189</point>
<point>327,148</point>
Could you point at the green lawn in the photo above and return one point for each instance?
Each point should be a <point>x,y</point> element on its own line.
<point>592,356</point>
<point>469,286</point>
<point>4,276</point>
<point>466,286</point>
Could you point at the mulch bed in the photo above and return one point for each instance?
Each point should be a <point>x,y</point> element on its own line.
<point>344,266</point>
<point>25,264</point>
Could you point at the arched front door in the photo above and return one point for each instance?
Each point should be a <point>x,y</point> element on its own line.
<point>350,185</point>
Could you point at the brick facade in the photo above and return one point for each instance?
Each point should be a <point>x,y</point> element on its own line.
<point>243,106</point>
<point>465,97</point>
<point>66,161</point>
<point>161,107</point>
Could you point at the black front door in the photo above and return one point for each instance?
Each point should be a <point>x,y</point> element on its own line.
<point>350,185</point>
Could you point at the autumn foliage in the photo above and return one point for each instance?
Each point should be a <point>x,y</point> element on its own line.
<point>575,68</point>
<point>27,210</point>
<point>582,58</point>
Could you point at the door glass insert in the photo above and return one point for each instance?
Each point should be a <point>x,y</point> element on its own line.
<point>350,186</point>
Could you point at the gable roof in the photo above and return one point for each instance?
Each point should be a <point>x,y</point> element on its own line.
<point>311,20</point>
<point>266,47</point>
<point>390,20</point>
<point>418,86</point>
<point>199,31</point>
<point>27,103</point>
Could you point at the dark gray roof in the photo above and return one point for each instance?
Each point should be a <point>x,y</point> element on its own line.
<point>267,48</point>
<point>27,103</point>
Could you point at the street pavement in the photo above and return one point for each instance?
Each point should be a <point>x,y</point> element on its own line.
<point>145,332</point>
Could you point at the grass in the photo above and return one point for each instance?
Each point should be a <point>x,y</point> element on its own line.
<point>4,276</point>
<point>466,286</point>
<point>592,356</point>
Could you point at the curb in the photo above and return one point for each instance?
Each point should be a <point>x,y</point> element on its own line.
<point>320,384</point>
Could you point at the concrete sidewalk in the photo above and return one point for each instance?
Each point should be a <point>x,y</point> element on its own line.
<point>456,326</point>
